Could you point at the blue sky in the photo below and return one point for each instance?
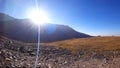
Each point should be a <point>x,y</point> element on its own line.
<point>94,17</point>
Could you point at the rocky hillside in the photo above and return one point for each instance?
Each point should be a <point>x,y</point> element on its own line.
<point>15,54</point>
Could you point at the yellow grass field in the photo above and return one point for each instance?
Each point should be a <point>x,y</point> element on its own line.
<point>89,44</point>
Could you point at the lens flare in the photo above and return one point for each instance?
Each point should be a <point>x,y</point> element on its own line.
<point>38,17</point>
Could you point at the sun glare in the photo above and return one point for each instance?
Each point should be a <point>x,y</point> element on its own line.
<point>38,17</point>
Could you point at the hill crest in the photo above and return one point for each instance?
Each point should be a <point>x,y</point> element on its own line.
<point>23,30</point>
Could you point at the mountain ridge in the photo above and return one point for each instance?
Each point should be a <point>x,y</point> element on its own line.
<point>24,30</point>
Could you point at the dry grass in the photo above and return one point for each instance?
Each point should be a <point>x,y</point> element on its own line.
<point>89,44</point>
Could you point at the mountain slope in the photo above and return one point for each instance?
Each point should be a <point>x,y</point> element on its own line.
<point>24,30</point>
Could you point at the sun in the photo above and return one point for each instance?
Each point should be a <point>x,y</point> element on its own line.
<point>38,17</point>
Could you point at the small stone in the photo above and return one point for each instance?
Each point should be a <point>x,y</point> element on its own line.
<point>7,59</point>
<point>32,54</point>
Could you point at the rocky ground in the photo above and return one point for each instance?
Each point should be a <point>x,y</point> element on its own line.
<point>22,55</point>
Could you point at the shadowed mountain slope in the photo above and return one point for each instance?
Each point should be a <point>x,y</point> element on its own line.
<point>24,30</point>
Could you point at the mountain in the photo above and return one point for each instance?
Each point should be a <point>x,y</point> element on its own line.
<point>24,30</point>
<point>5,17</point>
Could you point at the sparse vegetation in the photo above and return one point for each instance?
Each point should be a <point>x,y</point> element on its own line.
<point>89,44</point>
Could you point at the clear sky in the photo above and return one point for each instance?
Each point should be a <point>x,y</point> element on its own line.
<point>94,17</point>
